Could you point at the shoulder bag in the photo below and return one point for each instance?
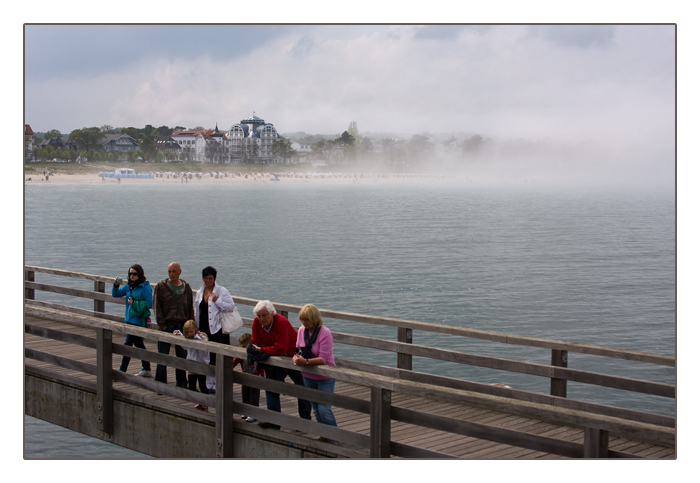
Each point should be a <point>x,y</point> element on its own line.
<point>230,320</point>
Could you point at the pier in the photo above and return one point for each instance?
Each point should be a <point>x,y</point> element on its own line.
<point>72,353</point>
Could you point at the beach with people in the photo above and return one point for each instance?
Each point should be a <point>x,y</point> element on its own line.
<point>264,175</point>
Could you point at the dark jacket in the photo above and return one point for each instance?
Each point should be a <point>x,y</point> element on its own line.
<point>171,309</point>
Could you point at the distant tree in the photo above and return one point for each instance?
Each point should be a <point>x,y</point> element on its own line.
<point>86,138</point>
<point>133,132</point>
<point>419,147</point>
<point>282,148</point>
<point>147,148</point>
<point>164,131</point>
<point>472,147</point>
<point>322,149</point>
<point>51,134</point>
<point>214,151</point>
<point>107,129</point>
<point>345,139</point>
<point>345,145</point>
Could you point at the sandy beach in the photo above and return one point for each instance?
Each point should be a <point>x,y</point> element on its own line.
<point>232,178</point>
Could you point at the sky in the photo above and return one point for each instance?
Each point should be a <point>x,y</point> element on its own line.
<point>530,81</point>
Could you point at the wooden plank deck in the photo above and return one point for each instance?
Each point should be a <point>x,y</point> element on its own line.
<point>434,440</point>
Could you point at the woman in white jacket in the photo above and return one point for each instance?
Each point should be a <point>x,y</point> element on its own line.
<point>212,298</point>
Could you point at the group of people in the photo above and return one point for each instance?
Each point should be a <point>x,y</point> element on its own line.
<point>181,311</point>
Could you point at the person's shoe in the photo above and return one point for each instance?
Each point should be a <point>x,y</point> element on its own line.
<point>202,408</point>
<point>268,426</point>
<point>144,373</point>
<point>243,416</point>
<point>251,420</point>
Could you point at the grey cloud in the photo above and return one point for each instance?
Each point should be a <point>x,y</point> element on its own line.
<point>580,36</point>
<point>89,50</point>
<point>447,32</point>
<point>304,46</point>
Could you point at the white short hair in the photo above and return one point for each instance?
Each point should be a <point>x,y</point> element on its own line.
<point>265,304</point>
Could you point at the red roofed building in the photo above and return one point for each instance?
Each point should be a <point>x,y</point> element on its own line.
<point>28,140</point>
<point>192,143</point>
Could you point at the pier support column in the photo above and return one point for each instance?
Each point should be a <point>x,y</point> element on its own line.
<point>105,405</point>
<point>380,423</point>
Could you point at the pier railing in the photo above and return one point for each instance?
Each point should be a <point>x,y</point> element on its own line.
<point>598,420</point>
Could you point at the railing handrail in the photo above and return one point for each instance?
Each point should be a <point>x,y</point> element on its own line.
<point>513,339</point>
<point>552,414</point>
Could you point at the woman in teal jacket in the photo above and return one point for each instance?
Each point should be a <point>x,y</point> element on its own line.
<point>139,301</point>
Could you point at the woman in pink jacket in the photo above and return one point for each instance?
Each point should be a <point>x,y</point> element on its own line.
<point>315,347</point>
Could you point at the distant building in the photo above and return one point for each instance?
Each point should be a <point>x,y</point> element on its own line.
<point>251,140</point>
<point>120,143</point>
<point>168,146</point>
<point>28,142</point>
<point>193,143</point>
<point>28,137</point>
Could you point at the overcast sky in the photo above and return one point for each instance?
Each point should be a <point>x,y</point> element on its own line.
<point>532,81</point>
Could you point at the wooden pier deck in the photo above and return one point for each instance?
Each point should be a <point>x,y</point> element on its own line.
<point>443,444</point>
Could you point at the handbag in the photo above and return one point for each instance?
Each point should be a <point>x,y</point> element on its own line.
<point>230,320</point>
<point>256,354</point>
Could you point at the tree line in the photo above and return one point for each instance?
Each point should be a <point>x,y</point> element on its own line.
<point>347,148</point>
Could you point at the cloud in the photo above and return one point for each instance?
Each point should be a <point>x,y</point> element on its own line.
<point>612,83</point>
<point>580,36</point>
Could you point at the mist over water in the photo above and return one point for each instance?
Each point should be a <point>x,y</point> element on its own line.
<point>583,265</point>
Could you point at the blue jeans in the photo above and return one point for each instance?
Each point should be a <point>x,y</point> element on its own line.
<point>273,399</point>
<point>323,412</point>
<point>132,340</point>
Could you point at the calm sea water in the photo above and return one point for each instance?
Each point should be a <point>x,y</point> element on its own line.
<point>578,264</point>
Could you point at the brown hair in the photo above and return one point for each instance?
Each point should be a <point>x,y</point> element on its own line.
<point>244,339</point>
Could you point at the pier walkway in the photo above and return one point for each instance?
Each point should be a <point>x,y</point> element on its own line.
<point>71,378</point>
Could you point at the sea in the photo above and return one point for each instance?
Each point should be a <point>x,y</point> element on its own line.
<point>586,264</point>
